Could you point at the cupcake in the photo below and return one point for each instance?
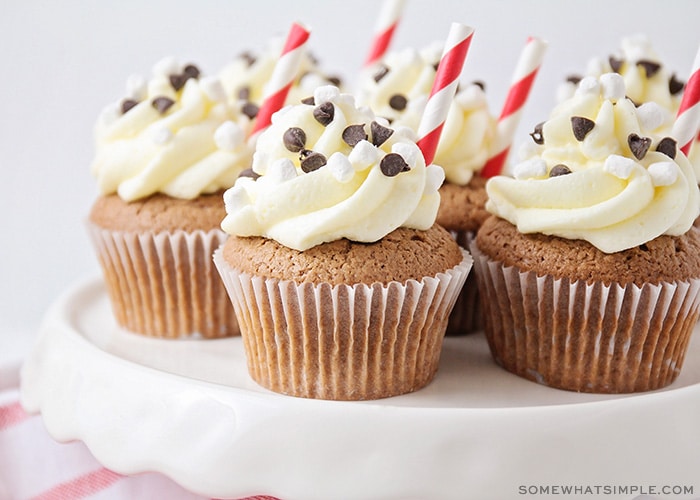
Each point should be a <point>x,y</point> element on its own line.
<point>589,268</point>
<point>340,279</point>
<point>164,156</point>
<point>398,91</point>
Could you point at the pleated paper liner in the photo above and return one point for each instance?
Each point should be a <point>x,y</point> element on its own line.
<point>586,337</point>
<point>165,284</point>
<point>343,342</point>
<point>466,316</point>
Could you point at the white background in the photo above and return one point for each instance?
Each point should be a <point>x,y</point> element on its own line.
<point>63,61</point>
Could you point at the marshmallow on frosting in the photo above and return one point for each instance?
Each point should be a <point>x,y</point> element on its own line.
<point>327,170</point>
<point>599,173</point>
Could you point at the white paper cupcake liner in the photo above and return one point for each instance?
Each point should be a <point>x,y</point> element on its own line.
<point>342,342</point>
<point>466,316</point>
<point>586,337</point>
<point>165,284</point>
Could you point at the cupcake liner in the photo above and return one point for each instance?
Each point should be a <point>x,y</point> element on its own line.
<point>466,316</point>
<point>342,342</point>
<point>586,337</point>
<point>165,284</point>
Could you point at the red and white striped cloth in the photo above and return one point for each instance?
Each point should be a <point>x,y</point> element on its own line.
<point>35,467</point>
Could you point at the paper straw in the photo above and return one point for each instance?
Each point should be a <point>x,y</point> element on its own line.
<point>384,29</point>
<point>687,123</point>
<point>283,76</point>
<point>523,78</point>
<point>444,88</point>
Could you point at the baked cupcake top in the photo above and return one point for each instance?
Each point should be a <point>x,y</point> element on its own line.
<point>245,77</point>
<point>174,134</point>
<point>398,91</point>
<point>597,173</point>
<point>326,170</point>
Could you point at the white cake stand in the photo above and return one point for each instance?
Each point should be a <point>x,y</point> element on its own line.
<point>188,409</point>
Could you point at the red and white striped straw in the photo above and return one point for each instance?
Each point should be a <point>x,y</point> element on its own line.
<point>283,76</point>
<point>523,78</point>
<point>384,29</point>
<point>685,128</point>
<point>444,88</point>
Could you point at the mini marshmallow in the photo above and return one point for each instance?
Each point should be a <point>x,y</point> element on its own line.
<point>650,115</point>
<point>325,93</point>
<point>166,67</point>
<point>471,97</point>
<point>228,136</point>
<point>588,85</point>
<point>281,170</point>
<point>619,166</point>
<point>595,66</point>
<point>534,167</point>
<point>408,151</point>
<point>612,86</point>
<point>363,155</point>
<point>434,177</point>
<point>663,173</point>
<point>235,198</point>
<point>565,91</point>
<point>406,133</point>
<point>212,88</point>
<point>162,135</point>
<point>110,113</point>
<point>341,167</point>
<point>136,87</point>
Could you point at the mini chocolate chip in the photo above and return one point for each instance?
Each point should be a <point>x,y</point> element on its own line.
<point>638,145</point>
<point>324,113</point>
<point>380,133</point>
<point>191,71</point>
<point>675,86</point>
<point>250,110</point>
<point>667,146</point>
<point>177,81</point>
<point>127,104</point>
<point>575,79</point>
<point>650,67</point>
<point>537,134</point>
<point>304,153</point>
<point>435,65</point>
<point>249,172</point>
<point>393,164</point>
<point>313,161</point>
<point>162,104</point>
<point>294,139</point>
<point>581,126</point>
<point>398,102</point>
<point>335,80</point>
<point>615,63</point>
<point>381,73</point>
<point>354,134</point>
<point>244,93</point>
<point>308,100</point>
<point>558,170</point>
<point>248,57</point>
<point>480,84</point>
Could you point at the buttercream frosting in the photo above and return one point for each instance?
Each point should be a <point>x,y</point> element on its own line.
<point>398,90</point>
<point>599,173</point>
<point>328,170</point>
<point>174,133</point>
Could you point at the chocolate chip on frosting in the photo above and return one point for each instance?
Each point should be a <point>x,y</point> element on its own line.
<point>162,104</point>
<point>294,139</point>
<point>393,164</point>
<point>537,134</point>
<point>667,146</point>
<point>127,104</point>
<point>191,71</point>
<point>177,81</point>
<point>380,133</point>
<point>398,102</point>
<point>249,172</point>
<point>335,80</point>
<point>248,58</point>
<point>354,134</point>
<point>581,126</point>
<point>381,73</point>
<point>250,110</point>
<point>675,86</point>
<point>650,67</point>
<point>324,113</point>
<point>638,145</point>
<point>312,161</point>
<point>615,63</point>
<point>558,170</point>
<point>309,100</point>
<point>480,84</point>
<point>575,79</point>
<point>244,93</point>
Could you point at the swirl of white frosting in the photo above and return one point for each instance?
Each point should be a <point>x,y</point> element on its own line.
<point>348,197</point>
<point>469,131</point>
<point>612,192</point>
<point>182,142</point>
